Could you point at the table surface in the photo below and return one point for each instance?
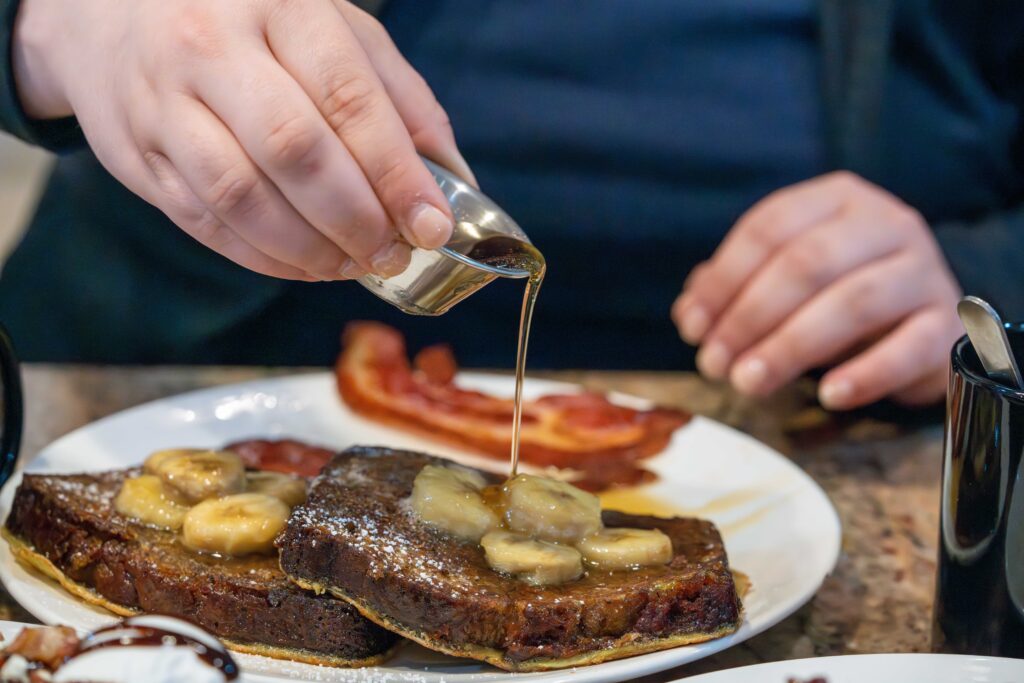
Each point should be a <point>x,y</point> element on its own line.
<point>882,474</point>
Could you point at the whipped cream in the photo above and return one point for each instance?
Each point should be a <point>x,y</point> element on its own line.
<point>15,669</point>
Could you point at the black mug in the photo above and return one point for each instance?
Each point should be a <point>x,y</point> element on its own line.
<point>10,406</point>
<point>979,597</point>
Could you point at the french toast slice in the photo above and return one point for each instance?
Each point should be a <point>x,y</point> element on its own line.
<point>66,527</point>
<point>357,539</point>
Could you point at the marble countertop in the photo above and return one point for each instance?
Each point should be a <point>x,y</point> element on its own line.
<point>881,469</point>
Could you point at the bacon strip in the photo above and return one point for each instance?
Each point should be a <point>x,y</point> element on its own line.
<point>579,431</point>
<point>282,455</point>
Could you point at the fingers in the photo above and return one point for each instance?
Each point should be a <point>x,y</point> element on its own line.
<point>907,362</point>
<point>790,278</point>
<point>314,44</point>
<point>680,305</point>
<point>287,138</point>
<point>927,391</point>
<point>813,274</point>
<point>855,307</point>
<point>161,185</point>
<point>759,233</point>
<point>235,194</point>
<point>424,117</point>
<point>190,214</point>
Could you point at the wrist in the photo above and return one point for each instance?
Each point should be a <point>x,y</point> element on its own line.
<point>38,88</point>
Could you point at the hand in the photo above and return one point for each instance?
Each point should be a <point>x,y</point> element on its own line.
<point>814,273</point>
<point>281,134</point>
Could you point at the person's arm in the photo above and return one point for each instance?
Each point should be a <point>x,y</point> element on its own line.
<point>57,135</point>
<point>987,258</point>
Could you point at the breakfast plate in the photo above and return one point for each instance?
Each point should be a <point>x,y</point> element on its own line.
<point>780,528</point>
<point>890,668</point>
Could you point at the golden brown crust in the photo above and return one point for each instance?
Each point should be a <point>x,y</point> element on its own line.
<point>628,646</point>
<point>35,561</point>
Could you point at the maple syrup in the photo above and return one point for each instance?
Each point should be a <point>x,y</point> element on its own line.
<point>512,254</point>
<point>537,268</point>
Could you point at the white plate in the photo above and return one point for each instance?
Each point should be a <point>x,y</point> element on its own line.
<point>898,668</point>
<point>779,526</point>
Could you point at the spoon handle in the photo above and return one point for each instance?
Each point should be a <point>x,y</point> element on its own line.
<point>988,336</point>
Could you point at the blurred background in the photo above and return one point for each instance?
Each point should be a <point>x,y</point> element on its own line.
<point>22,170</point>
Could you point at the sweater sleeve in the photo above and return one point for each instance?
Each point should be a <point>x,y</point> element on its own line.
<point>59,135</point>
<point>987,258</point>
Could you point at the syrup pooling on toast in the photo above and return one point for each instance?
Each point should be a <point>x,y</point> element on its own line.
<point>536,529</point>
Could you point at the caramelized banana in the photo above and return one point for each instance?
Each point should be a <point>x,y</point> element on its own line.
<point>198,475</point>
<point>626,548</point>
<point>153,461</point>
<point>449,499</point>
<point>289,489</point>
<point>241,524</point>
<point>550,510</point>
<point>146,499</point>
<point>538,563</point>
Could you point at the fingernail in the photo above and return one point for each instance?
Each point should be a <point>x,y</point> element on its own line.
<point>713,360</point>
<point>835,393</point>
<point>695,323</point>
<point>430,227</point>
<point>391,260</point>
<point>748,377</point>
<point>351,270</point>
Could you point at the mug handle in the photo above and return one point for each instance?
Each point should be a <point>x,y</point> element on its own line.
<point>13,407</point>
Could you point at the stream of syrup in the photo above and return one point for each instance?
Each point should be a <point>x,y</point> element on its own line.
<point>525,318</point>
<point>506,252</point>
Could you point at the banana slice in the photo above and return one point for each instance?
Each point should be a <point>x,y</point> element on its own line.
<point>613,549</point>
<point>241,524</point>
<point>152,464</point>
<point>146,499</point>
<point>550,510</point>
<point>198,475</point>
<point>538,563</point>
<point>290,489</point>
<point>449,499</point>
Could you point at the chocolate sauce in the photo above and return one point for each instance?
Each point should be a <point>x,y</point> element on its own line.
<point>131,634</point>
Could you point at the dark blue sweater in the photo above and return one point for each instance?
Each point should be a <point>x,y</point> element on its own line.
<point>624,136</point>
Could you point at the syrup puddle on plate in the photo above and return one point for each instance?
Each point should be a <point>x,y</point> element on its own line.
<point>638,501</point>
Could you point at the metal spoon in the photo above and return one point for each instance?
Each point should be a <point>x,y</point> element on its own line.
<point>988,336</point>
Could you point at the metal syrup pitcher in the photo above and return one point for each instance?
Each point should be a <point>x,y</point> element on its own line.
<point>486,244</point>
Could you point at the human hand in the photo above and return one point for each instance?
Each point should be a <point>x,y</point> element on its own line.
<point>814,273</point>
<point>283,135</point>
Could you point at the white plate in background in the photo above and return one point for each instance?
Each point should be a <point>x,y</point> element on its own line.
<point>894,668</point>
